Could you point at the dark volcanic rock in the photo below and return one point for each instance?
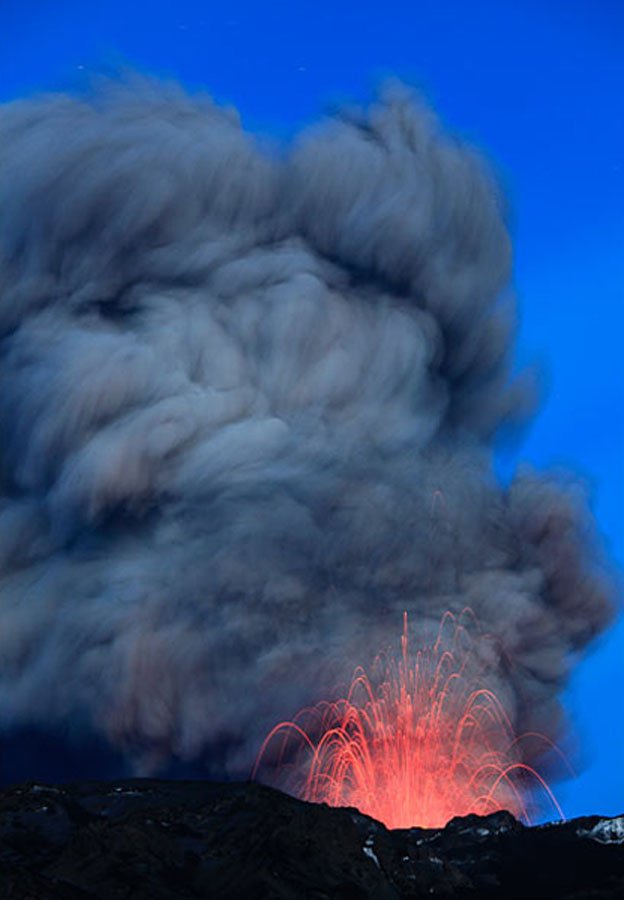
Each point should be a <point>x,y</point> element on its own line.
<point>155,839</point>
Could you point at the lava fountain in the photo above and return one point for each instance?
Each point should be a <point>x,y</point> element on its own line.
<point>419,741</point>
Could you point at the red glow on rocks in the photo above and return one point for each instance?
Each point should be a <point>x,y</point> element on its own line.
<point>427,743</point>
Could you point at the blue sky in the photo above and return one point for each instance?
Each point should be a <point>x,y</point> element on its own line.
<point>538,85</point>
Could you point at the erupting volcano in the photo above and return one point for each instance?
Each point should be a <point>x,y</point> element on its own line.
<point>250,406</point>
<point>420,741</point>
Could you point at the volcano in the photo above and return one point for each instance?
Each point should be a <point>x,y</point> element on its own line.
<point>250,406</point>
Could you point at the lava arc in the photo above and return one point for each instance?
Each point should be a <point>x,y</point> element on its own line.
<point>420,739</point>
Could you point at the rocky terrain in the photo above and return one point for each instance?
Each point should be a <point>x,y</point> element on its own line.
<point>161,839</point>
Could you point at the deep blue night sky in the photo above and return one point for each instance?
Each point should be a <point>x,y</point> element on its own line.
<point>538,86</point>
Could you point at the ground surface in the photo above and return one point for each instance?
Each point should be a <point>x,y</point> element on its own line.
<point>162,839</point>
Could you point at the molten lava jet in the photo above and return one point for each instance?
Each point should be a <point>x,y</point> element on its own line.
<point>420,740</point>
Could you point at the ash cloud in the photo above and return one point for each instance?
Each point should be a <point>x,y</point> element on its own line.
<point>248,403</point>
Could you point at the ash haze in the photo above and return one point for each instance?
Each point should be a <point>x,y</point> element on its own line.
<point>249,403</point>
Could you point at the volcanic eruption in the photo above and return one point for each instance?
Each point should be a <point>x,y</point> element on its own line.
<point>250,400</point>
<point>420,741</point>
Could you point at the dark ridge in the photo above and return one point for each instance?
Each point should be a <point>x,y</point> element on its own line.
<point>145,838</point>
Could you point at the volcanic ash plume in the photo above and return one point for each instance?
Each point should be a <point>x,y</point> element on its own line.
<point>248,402</point>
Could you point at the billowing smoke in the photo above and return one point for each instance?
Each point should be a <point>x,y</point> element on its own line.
<point>248,402</point>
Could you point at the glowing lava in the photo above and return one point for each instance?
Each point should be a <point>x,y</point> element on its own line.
<point>429,742</point>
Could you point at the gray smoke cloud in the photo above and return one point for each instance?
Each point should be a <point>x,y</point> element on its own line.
<point>248,403</point>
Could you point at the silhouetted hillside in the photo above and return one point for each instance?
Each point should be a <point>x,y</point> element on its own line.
<point>161,839</point>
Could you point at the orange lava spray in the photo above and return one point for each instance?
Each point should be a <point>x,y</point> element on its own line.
<point>428,743</point>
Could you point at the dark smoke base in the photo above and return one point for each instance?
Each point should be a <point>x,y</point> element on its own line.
<point>248,407</point>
